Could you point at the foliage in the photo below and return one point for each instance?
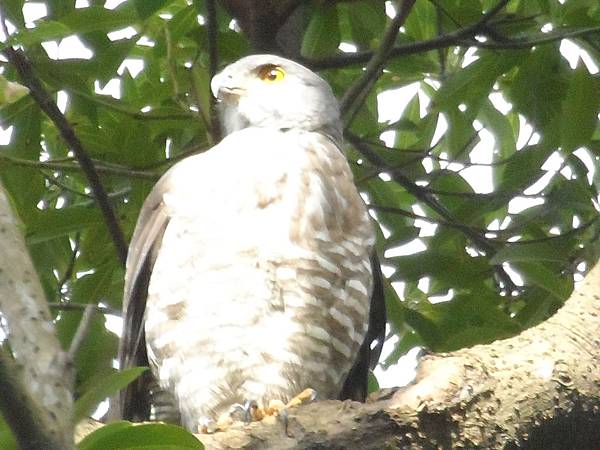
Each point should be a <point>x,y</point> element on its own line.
<point>506,256</point>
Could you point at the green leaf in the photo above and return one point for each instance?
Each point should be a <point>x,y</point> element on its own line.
<point>540,276</point>
<point>367,21</point>
<point>580,110</point>
<point>52,223</point>
<point>128,436</point>
<point>523,167</point>
<point>108,385</point>
<point>322,36</point>
<point>466,320</point>
<point>473,84</point>
<point>146,8</point>
<point>538,89</point>
<point>538,251</point>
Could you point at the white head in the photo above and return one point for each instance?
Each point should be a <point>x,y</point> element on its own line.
<point>271,91</point>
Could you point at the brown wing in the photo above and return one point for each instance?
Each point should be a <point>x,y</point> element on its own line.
<point>134,403</point>
<point>356,384</point>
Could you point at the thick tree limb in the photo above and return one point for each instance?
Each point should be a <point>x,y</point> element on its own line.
<point>42,390</point>
<point>537,390</point>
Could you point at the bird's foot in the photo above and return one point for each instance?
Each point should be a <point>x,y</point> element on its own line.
<point>252,411</point>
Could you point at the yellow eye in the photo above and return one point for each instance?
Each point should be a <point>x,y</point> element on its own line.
<point>271,73</point>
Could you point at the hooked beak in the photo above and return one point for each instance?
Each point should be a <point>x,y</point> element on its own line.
<point>223,88</point>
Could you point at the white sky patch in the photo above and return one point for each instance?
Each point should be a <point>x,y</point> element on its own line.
<point>587,159</point>
<point>423,284</point>
<point>33,11</point>
<point>112,4</point>
<point>5,135</point>
<point>145,41</point>
<point>440,129</point>
<point>390,10</point>
<point>554,162</point>
<point>114,324</point>
<point>573,53</point>
<point>347,47</point>
<point>514,276</point>
<point>500,102</point>
<point>392,103</point>
<point>200,19</point>
<point>567,172</point>
<point>133,65</point>
<point>525,132</point>
<point>410,248</point>
<point>123,33</point>
<point>62,98</point>
<point>51,48</point>
<point>112,88</point>
<point>479,178</point>
<point>401,373</point>
<point>82,3</point>
<point>470,57</point>
<point>427,164</point>
<point>72,47</point>
<point>442,298</point>
<point>520,204</point>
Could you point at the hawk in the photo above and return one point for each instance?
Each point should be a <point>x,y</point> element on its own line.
<point>251,273</point>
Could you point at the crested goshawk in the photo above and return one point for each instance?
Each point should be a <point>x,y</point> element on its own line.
<point>251,273</point>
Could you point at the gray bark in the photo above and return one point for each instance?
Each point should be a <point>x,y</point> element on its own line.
<point>37,385</point>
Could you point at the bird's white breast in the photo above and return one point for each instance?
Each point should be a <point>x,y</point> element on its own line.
<point>237,307</point>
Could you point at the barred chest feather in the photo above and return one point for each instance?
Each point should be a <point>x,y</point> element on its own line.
<point>261,285</point>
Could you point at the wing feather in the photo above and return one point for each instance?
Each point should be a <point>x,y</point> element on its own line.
<point>356,384</point>
<point>134,403</point>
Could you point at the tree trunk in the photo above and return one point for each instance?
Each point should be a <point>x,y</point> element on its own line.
<point>35,391</point>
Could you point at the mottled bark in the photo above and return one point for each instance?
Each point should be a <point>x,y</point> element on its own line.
<point>41,387</point>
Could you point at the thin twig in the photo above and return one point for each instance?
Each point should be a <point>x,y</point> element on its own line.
<point>509,44</point>
<point>18,59</point>
<point>70,267</point>
<point>82,330</point>
<point>63,306</point>
<point>72,167</point>
<point>355,95</point>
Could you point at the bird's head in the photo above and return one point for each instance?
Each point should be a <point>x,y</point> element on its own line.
<point>274,92</point>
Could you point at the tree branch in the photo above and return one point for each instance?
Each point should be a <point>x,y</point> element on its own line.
<point>478,239</point>
<point>65,306</point>
<point>463,37</point>
<point>39,94</point>
<point>537,390</point>
<point>45,376</point>
<point>21,412</point>
<point>82,330</point>
<point>357,93</point>
<point>66,166</point>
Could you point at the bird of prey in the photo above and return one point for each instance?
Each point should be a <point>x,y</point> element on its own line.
<point>251,273</point>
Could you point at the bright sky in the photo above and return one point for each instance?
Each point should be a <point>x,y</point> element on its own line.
<point>390,108</point>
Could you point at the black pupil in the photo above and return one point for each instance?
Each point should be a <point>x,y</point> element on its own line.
<point>272,75</point>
